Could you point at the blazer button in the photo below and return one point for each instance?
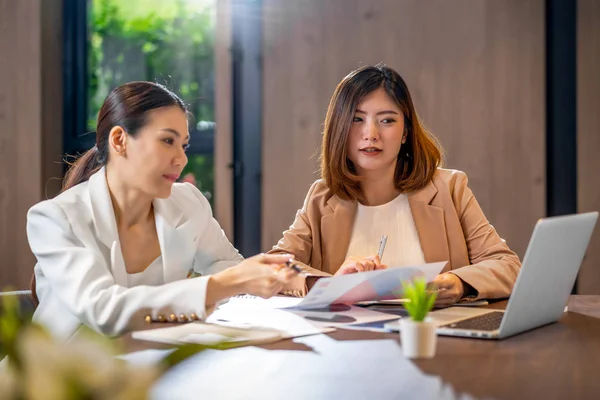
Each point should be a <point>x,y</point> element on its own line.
<point>183,318</point>
<point>173,318</point>
<point>161,318</point>
<point>148,319</point>
<point>193,317</point>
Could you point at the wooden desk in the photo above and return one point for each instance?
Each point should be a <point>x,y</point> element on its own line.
<point>558,361</point>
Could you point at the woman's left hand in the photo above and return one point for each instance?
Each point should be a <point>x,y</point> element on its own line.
<point>450,289</point>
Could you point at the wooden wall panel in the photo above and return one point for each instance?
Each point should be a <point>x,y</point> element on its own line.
<point>223,202</point>
<point>30,114</point>
<point>588,133</point>
<point>20,134</point>
<point>293,109</point>
<point>52,95</point>
<point>476,70</point>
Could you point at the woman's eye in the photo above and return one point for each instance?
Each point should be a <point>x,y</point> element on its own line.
<point>388,121</point>
<point>357,119</point>
<point>168,141</point>
<point>186,146</point>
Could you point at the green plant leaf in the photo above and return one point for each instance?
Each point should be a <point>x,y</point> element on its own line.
<point>421,298</point>
<point>10,325</point>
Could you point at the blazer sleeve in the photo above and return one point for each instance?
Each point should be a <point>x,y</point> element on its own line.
<point>215,252</point>
<point>81,279</point>
<point>494,266</point>
<point>298,241</point>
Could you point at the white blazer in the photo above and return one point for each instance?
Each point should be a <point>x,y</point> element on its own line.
<point>80,272</point>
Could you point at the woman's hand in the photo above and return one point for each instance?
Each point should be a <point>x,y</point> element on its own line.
<point>450,289</point>
<point>263,275</point>
<point>360,264</point>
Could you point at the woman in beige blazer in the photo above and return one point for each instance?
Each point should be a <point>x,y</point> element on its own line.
<point>376,153</point>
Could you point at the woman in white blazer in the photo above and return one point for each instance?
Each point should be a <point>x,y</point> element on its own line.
<point>114,249</point>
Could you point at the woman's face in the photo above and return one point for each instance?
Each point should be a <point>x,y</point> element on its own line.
<point>376,135</point>
<point>154,159</point>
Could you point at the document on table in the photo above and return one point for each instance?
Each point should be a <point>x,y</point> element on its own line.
<point>209,334</point>
<point>243,320</point>
<point>382,284</point>
<point>340,315</point>
<point>280,313</point>
<point>254,312</point>
<point>333,370</point>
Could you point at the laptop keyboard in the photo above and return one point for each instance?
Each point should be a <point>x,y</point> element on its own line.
<point>486,322</point>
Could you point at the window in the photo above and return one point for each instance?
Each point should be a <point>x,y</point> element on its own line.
<point>169,42</point>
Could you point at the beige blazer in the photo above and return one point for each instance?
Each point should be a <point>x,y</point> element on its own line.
<point>449,221</point>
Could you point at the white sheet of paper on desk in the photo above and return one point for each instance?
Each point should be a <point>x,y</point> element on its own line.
<point>373,285</point>
<point>340,317</point>
<point>373,369</point>
<point>208,334</point>
<point>248,312</point>
<point>255,302</point>
<point>275,313</point>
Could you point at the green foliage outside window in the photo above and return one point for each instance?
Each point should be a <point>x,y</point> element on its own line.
<point>169,42</point>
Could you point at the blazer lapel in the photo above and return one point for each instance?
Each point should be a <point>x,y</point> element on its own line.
<point>171,226</point>
<point>105,224</point>
<point>176,237</point>
<point>336,230</point>
<point>430,224</point>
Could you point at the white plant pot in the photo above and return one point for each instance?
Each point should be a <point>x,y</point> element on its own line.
<point>419,339</point>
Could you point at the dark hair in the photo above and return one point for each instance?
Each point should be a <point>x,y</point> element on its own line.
<point>126,106</point>
<point>420,155</point>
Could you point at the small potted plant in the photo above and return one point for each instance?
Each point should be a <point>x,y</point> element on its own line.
<point>418,333</point>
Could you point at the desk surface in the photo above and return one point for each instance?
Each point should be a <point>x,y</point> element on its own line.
<point>561,360</point>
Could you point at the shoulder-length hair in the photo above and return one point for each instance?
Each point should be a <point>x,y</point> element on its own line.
<point>419,157</point>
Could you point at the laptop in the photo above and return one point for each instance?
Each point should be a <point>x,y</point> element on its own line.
<point>542,289</point>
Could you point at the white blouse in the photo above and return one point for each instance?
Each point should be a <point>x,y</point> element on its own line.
<point>394,219</point>
<point>151,276</point>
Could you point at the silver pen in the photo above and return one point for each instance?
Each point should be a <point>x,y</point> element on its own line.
<point>382,243</point>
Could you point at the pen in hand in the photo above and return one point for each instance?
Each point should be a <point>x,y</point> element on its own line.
<point>382,244</point>
<point>290,264</point>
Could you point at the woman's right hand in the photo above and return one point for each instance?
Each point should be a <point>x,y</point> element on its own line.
<point>263,275</point>
<point>360,264</point>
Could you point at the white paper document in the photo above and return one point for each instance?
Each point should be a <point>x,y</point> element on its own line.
<point>254,312</point>
<point>364,286</point>
<point>208,334</point>
<point>341,315</point>
<point>280,313</point>
<point>333,370</point>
